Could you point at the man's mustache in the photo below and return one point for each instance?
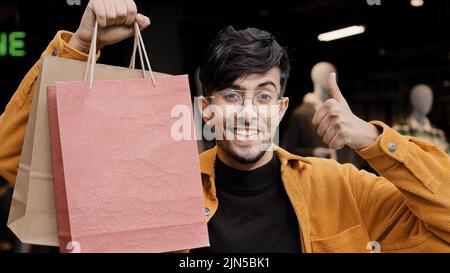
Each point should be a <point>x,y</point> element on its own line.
<point>244,124</point>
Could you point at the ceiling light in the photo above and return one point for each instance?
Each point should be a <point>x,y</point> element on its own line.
<point>341,33</point>
<point>416,3</point>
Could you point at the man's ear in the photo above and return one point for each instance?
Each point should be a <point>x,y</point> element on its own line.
<point>284,106</point>
<point>205,109</point>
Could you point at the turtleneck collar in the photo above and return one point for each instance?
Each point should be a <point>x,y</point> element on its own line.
<point>247,182</point>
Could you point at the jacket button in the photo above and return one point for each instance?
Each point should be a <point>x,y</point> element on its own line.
<point>207,212</point>
<point>392,147</point>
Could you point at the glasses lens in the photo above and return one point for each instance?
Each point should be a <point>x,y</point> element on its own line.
<point>267,104</point>
<point>230,102</point>
<point>268,111</point>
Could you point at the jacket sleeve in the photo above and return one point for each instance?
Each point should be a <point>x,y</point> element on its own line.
<point>14,119</point>
<point>408,207</point>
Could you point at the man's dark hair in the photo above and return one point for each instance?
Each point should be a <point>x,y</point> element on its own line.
<point>233,54</point>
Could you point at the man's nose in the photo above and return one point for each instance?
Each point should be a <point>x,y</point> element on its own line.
<point>248,110</point>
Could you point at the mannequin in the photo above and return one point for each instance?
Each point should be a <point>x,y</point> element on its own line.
<point>301,137</point>
<point>319,77</point>
<point>418,124</point>
<point>421,98</point>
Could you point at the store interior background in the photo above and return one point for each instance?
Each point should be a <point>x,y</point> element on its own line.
<point>403,45</point>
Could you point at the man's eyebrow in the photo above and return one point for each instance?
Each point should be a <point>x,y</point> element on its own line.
<point>236,87</point>
<point>240,88</point>
<point>267,83</point>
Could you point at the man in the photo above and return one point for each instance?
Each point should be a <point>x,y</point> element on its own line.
<point>258,197</point>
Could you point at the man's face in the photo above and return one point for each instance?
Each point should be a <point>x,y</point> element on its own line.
<point>247,114</point>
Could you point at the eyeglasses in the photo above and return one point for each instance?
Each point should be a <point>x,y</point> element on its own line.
<point>231,102</point>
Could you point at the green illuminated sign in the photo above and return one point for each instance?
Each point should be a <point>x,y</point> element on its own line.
<point>12,44</point>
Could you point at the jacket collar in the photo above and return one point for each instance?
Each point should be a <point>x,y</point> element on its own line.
<point>290,166</point>
<point>208,159</point>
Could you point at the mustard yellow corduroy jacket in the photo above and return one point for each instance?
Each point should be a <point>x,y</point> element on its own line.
<point>339,208</point>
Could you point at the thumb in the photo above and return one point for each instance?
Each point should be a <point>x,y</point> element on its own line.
<point>119,33</point>
<point>333,89</point>
<point>142,21</point>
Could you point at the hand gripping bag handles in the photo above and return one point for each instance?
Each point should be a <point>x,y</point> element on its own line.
<point>123,183</point>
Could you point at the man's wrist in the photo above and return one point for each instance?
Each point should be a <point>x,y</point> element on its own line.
<point>372,134</point>
<point>79,45</point>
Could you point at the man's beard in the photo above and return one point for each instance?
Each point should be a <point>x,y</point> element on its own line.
<point>244,155</point>
<point>225,145</point>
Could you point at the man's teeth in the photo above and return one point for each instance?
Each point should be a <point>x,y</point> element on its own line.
<point>243,132</point>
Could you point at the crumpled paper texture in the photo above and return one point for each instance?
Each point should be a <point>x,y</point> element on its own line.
<point>129,186</point>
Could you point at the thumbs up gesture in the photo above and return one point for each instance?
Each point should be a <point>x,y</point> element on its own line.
<point>338,126</point>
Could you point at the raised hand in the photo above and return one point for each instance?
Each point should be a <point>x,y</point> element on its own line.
<point>338,126</point>
<point>115,20</point>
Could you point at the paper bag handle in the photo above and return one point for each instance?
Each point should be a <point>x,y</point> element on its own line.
<point>138,43</point>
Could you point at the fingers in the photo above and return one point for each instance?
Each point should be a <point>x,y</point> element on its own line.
<point>131,12</point>
<point>117,13</point>
<point>333,89</point>
<point>338,126</point>
<point>332,134</point>
<point>110,12</point>
<point>323,126</point>
<point>329,134</point>
<point>121,32</point>
<point>327,108</point>
<point>319,115</point>
<point>126,31</point>
<point>143,21</point>
<point>100,13</point>
<point>121,12</point>
<point>338,142</point>
<point>329,121</point>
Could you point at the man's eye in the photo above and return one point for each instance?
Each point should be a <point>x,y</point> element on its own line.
<point>265,96</point>
<point>231,96</point>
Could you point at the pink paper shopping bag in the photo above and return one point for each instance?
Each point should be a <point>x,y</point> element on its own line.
<point>123,183</point>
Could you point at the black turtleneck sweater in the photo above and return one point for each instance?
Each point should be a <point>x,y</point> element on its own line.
<point>254,213</point>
